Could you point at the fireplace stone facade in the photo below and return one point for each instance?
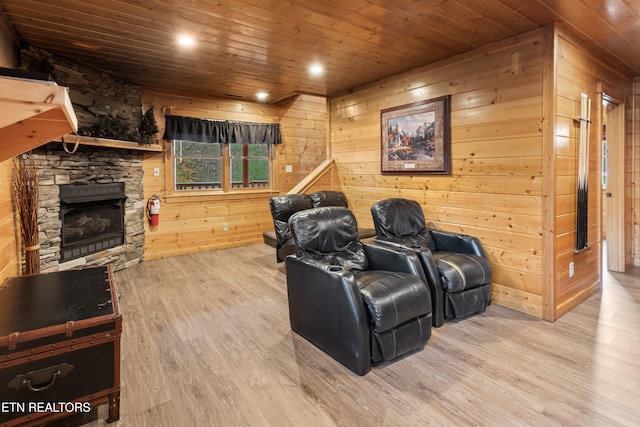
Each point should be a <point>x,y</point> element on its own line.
<point>89,165</point>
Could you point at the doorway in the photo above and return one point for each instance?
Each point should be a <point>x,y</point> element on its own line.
<point>613,209</point>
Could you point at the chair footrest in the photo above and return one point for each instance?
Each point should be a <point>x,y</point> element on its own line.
<point>467,303</point>
<point>409,336</point>
<point>269,237</point>
<point>392,298</point>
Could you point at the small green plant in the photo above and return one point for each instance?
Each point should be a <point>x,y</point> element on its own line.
<point>148,127</point>
<point>111,128</point>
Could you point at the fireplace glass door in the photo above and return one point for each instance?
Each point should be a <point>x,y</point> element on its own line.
<point>90,226</point>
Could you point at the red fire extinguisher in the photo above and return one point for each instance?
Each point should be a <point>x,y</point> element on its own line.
<point>153,210</point>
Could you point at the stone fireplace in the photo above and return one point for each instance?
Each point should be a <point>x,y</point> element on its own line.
<point>91,207</point>
<point>96,231</point>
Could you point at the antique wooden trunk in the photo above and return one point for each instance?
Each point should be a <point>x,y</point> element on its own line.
<point>59,345</point>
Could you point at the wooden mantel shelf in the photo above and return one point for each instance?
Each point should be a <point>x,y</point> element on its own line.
<point>71,139</point>
<point>32,113</point>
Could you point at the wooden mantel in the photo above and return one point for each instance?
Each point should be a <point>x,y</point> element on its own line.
<point>70,140</point>
<point>32,113</point>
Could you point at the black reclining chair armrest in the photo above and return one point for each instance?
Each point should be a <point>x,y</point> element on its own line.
<point>325,307</point>
<point>390,257</point>
<point>281,229</point>
<point>454,242</point>
<point>434,280</point>
<point>284,241</point>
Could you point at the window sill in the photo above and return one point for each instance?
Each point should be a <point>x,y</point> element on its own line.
<point>203,196</point>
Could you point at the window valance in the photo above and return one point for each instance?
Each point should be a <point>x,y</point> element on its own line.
<point>226,132</point>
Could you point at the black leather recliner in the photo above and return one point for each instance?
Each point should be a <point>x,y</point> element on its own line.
<point>282,207</point>
<point>321,199</point>
<point>359,303</point>
<point>455,265</point>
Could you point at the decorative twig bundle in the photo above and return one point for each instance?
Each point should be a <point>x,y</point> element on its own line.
<point>25,190</point>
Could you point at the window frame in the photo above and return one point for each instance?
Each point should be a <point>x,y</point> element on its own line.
<point>226,187</point>
<point>246,158</point>
<point>175,159</point>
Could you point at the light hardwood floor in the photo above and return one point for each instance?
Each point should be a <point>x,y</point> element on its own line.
<point>207,342</point>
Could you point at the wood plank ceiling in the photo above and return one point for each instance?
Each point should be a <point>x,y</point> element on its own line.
<point>247,46</point>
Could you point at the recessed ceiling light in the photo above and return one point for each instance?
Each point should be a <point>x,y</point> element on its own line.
<point>262,95</point>
<point>186,40</point>
<point>316,69</point>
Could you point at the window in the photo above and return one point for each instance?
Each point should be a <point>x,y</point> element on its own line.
<point>198,165</point>
<point>221,155</point>
<point>249,165</point>
<point>216,166</point>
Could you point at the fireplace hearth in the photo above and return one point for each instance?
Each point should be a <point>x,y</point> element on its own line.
<point>92,218</point>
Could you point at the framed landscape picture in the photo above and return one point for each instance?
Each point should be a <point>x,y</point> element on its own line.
<point>416,138</point>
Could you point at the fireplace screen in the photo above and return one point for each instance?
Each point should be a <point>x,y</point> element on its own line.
<point>92,218</point>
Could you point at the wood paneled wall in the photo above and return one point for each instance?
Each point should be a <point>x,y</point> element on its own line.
<point>635,147</point>
<point>573,79</point>
<point>495,189</point>
<point>193,222</point>
<point>304,131</point>
<point>9,259</point>
<point>578,71</point>
<point>513,180</point>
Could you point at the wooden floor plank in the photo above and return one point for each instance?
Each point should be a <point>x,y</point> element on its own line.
<point>207,342</point>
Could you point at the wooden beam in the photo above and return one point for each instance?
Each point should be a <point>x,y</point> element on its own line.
<point>7,28</point>
<point>70,140</point>
<point>549,159</point>
<point>34,113</point>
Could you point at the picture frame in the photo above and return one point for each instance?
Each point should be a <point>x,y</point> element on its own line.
<point>416,137</point>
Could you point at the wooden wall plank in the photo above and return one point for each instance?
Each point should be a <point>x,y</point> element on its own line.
<point>520,146</point>
<point>9,240</point>
<point>518,300</point>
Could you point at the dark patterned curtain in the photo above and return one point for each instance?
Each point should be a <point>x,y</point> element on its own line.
<point>201,130</point>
